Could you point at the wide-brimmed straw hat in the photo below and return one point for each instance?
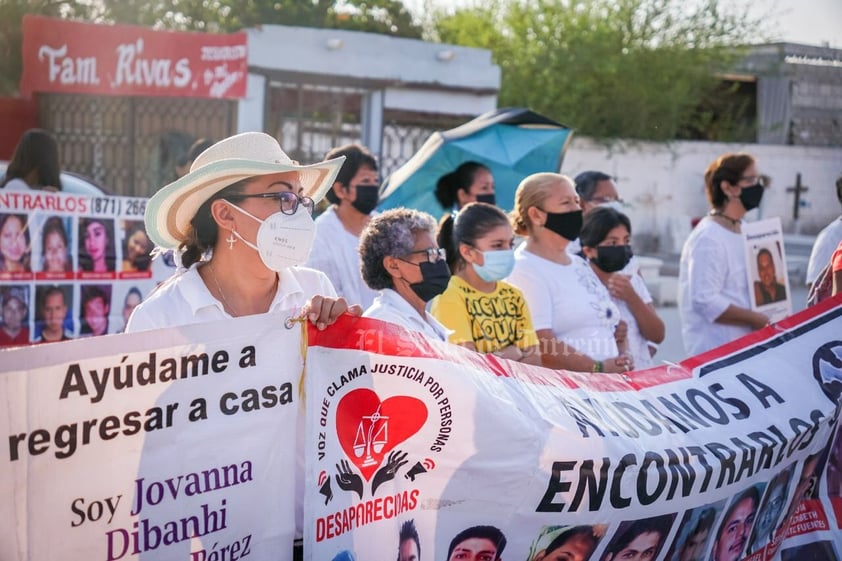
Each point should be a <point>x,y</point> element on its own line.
<point>250,154</point>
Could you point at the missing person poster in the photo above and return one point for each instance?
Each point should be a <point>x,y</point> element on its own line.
<point>422,450</point>
<point>72,265</point>
<point>766,265</point>
<point>170,444</point>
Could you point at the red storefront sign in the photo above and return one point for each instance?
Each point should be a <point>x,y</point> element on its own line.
<point>72,57</point>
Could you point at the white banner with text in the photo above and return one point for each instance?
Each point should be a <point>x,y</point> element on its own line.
<point>420,448</point>
<point>174,444</point>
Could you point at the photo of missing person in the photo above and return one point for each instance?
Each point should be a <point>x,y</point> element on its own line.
<point>806,487</point>
<point>129,296</point>
<point>94,308</point>
<point>767,287</point>
<point>137,247</point>
<point>733,532</point>
<point>566,543</point>
<point>14,316</point>
<point>485,543</point>
<point>409,545</point>
<point>55,247</point>
<point>695,533</point>
<point>15,247</point>
<point>53,311</point>
<point>639,539</point>
<point>771,508</point>
<point>96,245</point>
<point>834,468</point>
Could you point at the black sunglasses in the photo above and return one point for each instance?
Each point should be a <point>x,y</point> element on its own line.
<point>287,200</point>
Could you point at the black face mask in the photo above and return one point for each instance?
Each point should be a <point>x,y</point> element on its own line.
<point>487,198</point>
<point>751,196</point>
<point>434,279</point>
<point>612,258</point>
<point>367,198</point>
<point>565,224</point>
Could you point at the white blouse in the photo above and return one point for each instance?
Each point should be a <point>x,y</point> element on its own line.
<point>712,276</point>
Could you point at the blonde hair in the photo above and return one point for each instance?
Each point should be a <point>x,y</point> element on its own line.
<point>532,192</point>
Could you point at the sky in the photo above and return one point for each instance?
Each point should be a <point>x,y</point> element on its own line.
<point>811,22</point>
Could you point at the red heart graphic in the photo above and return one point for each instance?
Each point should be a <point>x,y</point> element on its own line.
<point>369,429</point>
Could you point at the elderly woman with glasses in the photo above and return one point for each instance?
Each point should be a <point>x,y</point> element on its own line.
<point>400,257</point>
<point>714,298</point>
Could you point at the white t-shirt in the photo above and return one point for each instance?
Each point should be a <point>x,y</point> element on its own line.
<point>712,276</point>
<point>570,300</point>
<point>336,252</point>
<point>638,345</point>
<point>185,299</point>
<point>826,242</point>
<point>17,184</point>
<point>392,307</point>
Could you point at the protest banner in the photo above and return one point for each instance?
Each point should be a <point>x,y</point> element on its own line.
<point>65,56</point>
<point>182,444</point>
<point>425,446</point>
<point>766,268</point>
<point>88,257</point>
<point>169,444</point>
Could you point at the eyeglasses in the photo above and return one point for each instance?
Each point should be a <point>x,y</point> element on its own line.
<point>434,254</point>
<point>287,200</point>
<point>755,179</point>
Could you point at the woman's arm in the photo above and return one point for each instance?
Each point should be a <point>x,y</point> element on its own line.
<point>559,355</point>
<point>735,315</point>
<point>529,355</point>
<point>651,326</point>
<point>708,275</point>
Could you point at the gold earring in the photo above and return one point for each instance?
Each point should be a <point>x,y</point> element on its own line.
<point>231,239</point>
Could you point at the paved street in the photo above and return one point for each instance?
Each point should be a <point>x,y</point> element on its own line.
<point>672,348</point>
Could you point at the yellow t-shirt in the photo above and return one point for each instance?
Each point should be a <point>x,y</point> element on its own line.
<point>493,321</point>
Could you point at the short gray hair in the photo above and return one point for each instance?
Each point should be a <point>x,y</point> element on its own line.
<point>390,234</point>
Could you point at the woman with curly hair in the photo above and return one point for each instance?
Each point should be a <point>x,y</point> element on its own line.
<point>400,258</point>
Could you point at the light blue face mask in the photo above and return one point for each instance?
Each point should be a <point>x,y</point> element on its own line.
<point>619,206</point>
<point>497,265</point>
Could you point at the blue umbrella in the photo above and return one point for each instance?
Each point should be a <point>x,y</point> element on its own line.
<point>512,142</point>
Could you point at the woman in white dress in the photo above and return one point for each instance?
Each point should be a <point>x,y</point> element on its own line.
<point>713,297</point>
<point>572,312</point>
<point>606,239</point>
<point>354,196</point>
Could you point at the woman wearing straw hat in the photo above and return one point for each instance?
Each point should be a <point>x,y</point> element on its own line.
<point>242,220</point>
<point>225,216</point>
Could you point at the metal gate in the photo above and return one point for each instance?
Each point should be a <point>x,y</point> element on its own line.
<point>308,119</point>
<point>131,145</point>
<point>404,132</point>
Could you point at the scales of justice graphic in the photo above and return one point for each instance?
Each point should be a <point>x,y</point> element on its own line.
<point>374,437</point>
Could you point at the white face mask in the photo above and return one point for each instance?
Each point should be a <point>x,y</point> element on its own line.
<point>616,205</point>
<point>283,240</point>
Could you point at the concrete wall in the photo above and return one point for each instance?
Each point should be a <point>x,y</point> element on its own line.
<point>664,184</point>
<point>372,57</point>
